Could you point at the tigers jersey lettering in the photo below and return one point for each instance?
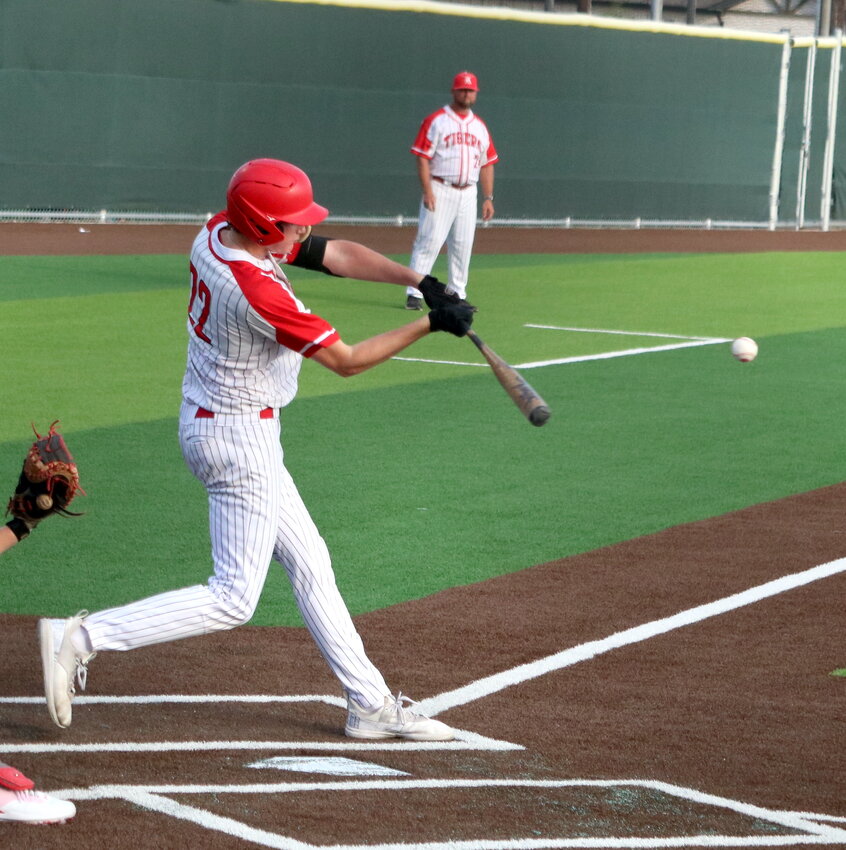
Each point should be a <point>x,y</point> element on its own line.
<point>458,146</point>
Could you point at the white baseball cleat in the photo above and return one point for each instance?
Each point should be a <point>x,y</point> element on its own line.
<point>62,663</point>
<point>34,807</point>
<point>394,720</point>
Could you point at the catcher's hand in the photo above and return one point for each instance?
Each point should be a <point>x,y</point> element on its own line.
<point>437,295</point>
<point>48,482</point>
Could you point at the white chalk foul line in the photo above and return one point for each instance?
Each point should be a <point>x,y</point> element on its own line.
<point>625,352</point>
<point>442,362</point>
<point>688,342</point>
<point>625,333</point>
<point>583,652</point>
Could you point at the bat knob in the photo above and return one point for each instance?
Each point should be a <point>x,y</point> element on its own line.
<point>539,415</point>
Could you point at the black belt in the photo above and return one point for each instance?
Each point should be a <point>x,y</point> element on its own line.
<point>454,185</point>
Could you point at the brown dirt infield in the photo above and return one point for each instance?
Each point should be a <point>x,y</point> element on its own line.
<point>741,705</point>
<point>37,238</point>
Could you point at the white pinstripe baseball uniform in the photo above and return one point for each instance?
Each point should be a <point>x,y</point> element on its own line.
<point>458,147</point>
<point>248,334</point>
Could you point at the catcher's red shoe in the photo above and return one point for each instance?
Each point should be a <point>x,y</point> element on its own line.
<point>18,802</point>
<point>34,807</point>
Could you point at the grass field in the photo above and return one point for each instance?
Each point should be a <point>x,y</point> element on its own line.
<point>421,474</point>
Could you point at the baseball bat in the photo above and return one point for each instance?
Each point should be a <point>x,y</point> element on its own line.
<point>531,405</point>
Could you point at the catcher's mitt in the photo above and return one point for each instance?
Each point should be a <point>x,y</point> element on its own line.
<point>48,482</point>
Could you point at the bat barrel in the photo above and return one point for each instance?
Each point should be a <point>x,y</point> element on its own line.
<point>530,404</point>
<point>539,415</point>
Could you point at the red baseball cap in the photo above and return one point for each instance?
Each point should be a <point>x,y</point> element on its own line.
<point>465,80</point>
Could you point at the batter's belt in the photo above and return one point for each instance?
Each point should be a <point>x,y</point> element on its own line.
<point>202,413</point>
<point>454,185</point>
<point>190,413</point>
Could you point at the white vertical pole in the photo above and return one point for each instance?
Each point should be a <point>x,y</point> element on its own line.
<point>824,18</point>
<point>828,159</point>
<point>775,177</point>
<point>805,150</point>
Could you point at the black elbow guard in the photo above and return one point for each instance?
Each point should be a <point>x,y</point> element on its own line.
<point>311,253</point>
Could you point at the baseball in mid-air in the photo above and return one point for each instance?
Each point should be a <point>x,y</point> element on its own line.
<point>744,349</point>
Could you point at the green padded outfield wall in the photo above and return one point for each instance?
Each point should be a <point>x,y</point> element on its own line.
<point>151,104</point>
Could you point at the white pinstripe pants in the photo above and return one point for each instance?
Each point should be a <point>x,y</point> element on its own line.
<point>255,514</point>
<point>454,222</point>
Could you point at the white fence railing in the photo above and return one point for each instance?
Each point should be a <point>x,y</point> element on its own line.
<point>134,217</point>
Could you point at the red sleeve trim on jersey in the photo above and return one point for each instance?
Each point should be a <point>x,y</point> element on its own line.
<point>295,328</point>
<point>323,342</point>
<point>491,156</point>
<point>422,143</point>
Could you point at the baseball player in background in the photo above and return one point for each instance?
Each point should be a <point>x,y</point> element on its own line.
<point>19,801</point>
<point>454,153</point>
<point>248,334</point>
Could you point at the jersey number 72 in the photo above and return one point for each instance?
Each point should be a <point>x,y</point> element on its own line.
<point>200,291</point>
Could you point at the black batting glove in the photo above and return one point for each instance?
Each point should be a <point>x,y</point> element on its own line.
<point>435,293</point>
<point>452,318</point>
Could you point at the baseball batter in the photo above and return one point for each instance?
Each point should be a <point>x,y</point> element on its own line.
<point>248,334</point>
<point>454,153</point>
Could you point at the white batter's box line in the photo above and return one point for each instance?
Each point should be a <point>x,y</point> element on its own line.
<point>587,651</point>
<point>154,798</point>
<point>464,741</point>
<point>149,699</point>
<point>816,817</point>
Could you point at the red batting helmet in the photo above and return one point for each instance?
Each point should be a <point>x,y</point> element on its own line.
<point>465,80</point>
<point>264,192</point>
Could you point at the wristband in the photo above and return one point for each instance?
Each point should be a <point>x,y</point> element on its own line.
<point>18,527</point>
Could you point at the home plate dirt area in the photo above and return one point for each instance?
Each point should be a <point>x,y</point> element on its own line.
<point>671,691</point>
<point>674,690</point>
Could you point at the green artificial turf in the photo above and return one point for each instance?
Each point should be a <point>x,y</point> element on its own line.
<point>421,475</point>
